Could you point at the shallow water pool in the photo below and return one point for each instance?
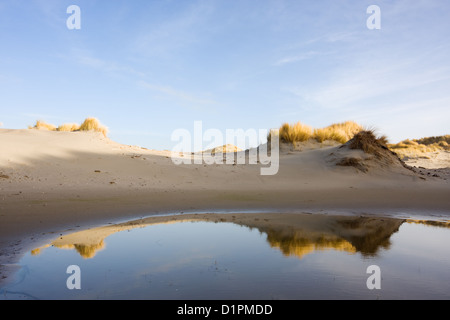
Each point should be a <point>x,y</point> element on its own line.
<point>240,256</point>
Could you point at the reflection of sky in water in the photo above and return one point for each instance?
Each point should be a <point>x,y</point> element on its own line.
<point>204,260</point>
<point>418,263</point>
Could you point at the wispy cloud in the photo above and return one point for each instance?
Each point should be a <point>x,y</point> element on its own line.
<point>177,94</point>
<point>106,66</point>
<point>166,37</point>
<point>355,85</point>
<point>297,58</point>
<point>85,58</point>
<point>330,38</point>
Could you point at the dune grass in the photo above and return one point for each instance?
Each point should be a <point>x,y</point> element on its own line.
<point>295,133</point>
<point>92,124</point>
<point>89,124</point>
<point>298,132</point>
<point>367,141</point>
<point>340,132</point>
<point>418,147</point>
<point>69,127</point>
<point>439,140</point>
<point>42,125</point>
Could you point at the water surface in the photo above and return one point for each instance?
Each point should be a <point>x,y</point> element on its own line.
<point>242,256</point>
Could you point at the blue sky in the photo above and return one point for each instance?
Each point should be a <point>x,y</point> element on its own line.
<point>146,68</point>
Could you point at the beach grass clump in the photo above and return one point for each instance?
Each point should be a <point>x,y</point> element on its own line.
<point>324,134</point>
<point>68,127</point>
<point>340,132</point>
<point>92,124</point>
<point>367,141</point>
<point>89,124</point>
<point>417,147</point>
<point>299,132</point>
<point>42,125</point>
<point>434,140</point>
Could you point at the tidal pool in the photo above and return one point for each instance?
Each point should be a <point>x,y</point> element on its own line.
<point>242,256</point>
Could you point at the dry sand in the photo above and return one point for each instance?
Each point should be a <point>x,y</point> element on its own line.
<point>55,181</point>
<point>430,160</point>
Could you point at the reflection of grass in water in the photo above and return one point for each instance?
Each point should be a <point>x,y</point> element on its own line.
<point>294,244</point>
<point>86,251</point>
<point>441,224</point>
<point>36,252</point>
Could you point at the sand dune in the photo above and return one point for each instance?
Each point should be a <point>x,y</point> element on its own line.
<point>51,181</point>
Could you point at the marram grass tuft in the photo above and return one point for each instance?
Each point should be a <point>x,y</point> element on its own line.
<point>340,132</point>
<point>90,124</point>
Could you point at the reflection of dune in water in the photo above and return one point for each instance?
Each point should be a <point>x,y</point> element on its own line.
<point>88,242</point>
<point>292,234</point>
<point>87,251</point>
<point>376,234</point>
<point>349,234</point>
